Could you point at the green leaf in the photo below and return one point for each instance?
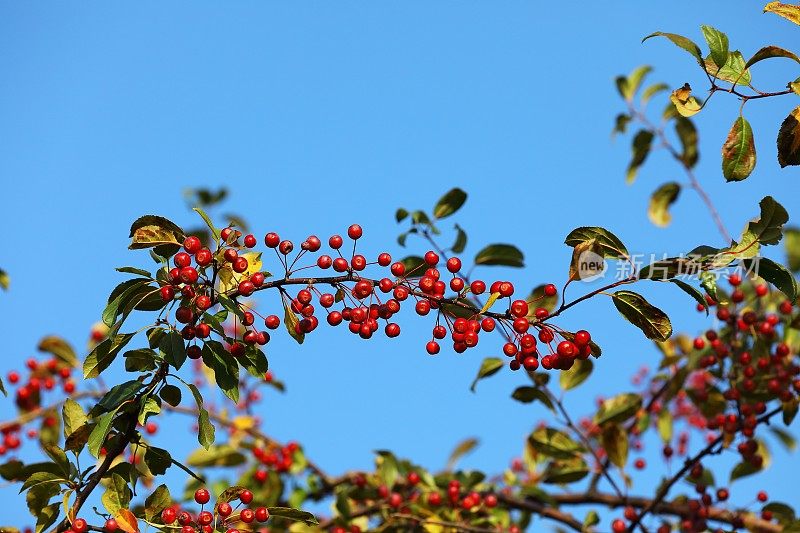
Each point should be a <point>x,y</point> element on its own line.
<point>789,12</point>
<point>60,348</point>
<point>225,367</point>
<point>640,147</point>
<point>621,123</point>
<point>133,289</point>
<point>3,388</point>
<point>489,367</point>
<point>400,214</point>
<point>619,408</point>
<point>289,513</point>
<point>98,436</point>
<point>140,360</point>
<point>119,394</point>
<point>734,70</point>
<point>686,104</point>
<point>743,470</point>
<point>664,424</point>
<point>461,240</point>
<point>207,220</point>
<point>554,443</point>
<point>206,433</point>
<point>291,322</point>
<point>792,246</point>
<point>117,495</point>
<point>449,203</point>
<point>615,442</point>
<point>527,394</point>
<point>47,517</point>
<point>786,438</point>
<point>159,500</point>
<point>768,229</point>
<point>500,254</point>
<point>157,460</point>
<point>566,471</point>
<point>463,448</point>
<point>687,134</point>
<point>717,43</point>
<point>222,455</point>
<point>789,140</point>
<point>775,273</point>
<point>630,85</point>
<point>152,230</point>
<point>681,41</point>
<point>769,52</point>
<point>739,151</point>
<point>171,394</point>
<point>609,243</point>
<point>133,270</point>
<point>5,280</point>
<point>150,406</point>
<point>104,354</point>
<point>662,198</point>
<point>653,90</point>
<point>174,348</point>
<point>591,519</point>
<point>653,322</point>
<point>580,372</point>
<point>780,511</point>
<point>691,291</point>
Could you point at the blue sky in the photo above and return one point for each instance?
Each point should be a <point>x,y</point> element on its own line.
<point>317,115</point>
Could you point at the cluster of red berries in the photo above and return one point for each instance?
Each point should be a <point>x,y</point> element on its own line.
<point>221,518</point>
<point>407,492</point>
<point>42,376</point>
<point>366,303</point>
<point>281,459</point>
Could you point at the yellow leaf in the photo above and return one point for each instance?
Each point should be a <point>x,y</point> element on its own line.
<point>490,302</point>
<point>686,104</point>
<point>127,521</point>
<point>787,11</point>
<point>244,423</point>
<point>229,280</point>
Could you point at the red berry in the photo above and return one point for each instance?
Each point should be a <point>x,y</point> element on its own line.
<point>432,347</point>
<point>272,240</point>
<point>224,509</point>
<point>202,496</point>
<point>167,293</point>
<point>250,240</point>
<point>454,264</point>
<point>272,321</point>
<point>761,290</point>
<point>762,496</point>
<point>335,242</point>
<point>354,232</point>
<point>431,258</point>
<point>79,525</point>
<point>582,338</point>
<point>384,259</point>
<point>168,516</point>
<point>111,525</point>
<point>618,526</point>
<point>477,287</point>
<point>247,515</point>
<point>392,330</point>
<point>192,244</point>
<point>246,497</point>
<point>203,257</point>
<point>262,515</point>
<point>550,290</point>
